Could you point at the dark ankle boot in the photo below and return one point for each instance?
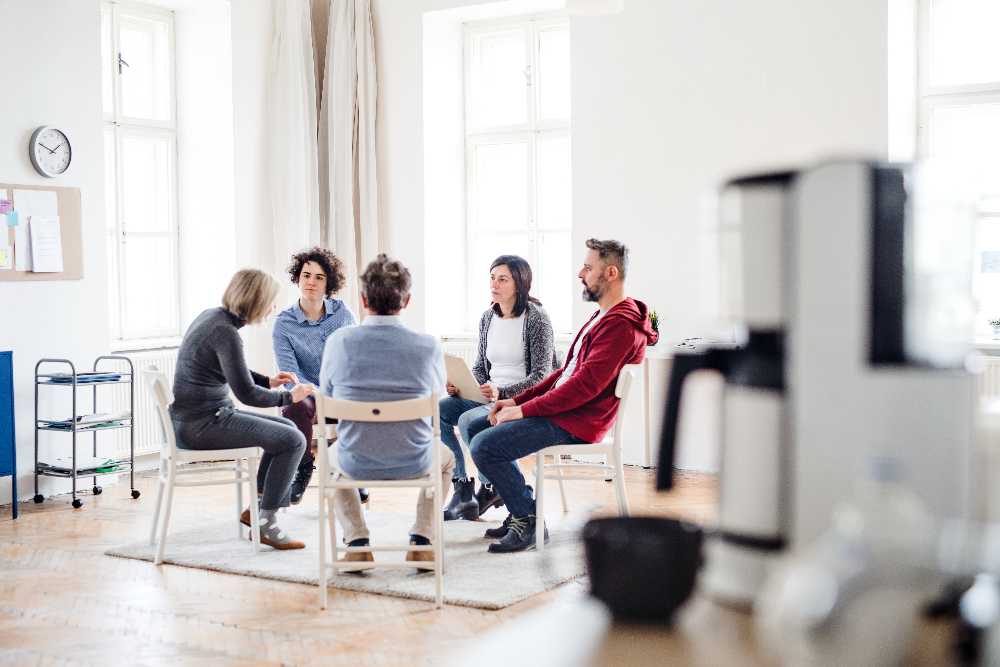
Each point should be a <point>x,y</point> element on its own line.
<point>301,481</point>
<point>488,497</point>
<point>463,504</point>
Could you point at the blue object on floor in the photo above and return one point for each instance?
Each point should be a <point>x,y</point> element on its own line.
<point>8,443</point>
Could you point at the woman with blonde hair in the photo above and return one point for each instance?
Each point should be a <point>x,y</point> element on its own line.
<point>210,363</point>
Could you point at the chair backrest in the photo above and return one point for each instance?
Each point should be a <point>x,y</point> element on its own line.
<point>379,411</point>
<point>163,396</point>
<point>622,390</point>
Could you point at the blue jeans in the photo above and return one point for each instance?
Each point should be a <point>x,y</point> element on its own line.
<point>496,449</point>
<point>460,412</point>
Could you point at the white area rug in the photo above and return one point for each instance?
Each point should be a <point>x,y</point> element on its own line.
<point>472,577</point>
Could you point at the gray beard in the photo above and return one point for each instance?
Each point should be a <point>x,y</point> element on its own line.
<point>595,295</point>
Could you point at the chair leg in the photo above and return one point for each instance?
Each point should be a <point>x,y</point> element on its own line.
<point>321,581</point>
<point>620,493</point>
<point>171,479</point>
<point>539,502</point>
<point>237,476</point>
<point>333,535</point>
<point>159,503</point>
<point>254,509</point>
<point>438,545</point>
<point>562,486</point>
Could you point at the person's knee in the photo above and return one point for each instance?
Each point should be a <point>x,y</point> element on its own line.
<point>447,408</point>
<point>296,411</point>
<point>481,448</point>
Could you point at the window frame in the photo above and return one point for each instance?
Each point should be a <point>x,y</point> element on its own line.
<point>122,126</point>
<point>531,133</point>
<point>931,98</point>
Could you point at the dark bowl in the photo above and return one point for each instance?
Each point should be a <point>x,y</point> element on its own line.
<point>642,568</point>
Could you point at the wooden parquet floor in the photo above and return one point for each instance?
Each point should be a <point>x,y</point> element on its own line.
<point>64,603</point>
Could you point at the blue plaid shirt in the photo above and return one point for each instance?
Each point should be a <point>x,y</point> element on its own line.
<point>299,342</point>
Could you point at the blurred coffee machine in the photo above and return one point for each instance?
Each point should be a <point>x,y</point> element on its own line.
<point>848,288</point>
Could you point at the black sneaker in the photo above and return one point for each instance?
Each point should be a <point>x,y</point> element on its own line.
<point>488,497</point>
<point>302,476</point>
<point>520,535</point>
<point>363,493</point>
<point>463,504</point>
<point>501,530</point>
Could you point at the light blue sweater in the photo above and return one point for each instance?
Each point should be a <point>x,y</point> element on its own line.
<point>382,360</point>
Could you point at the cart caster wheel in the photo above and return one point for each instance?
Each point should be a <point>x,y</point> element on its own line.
<point>77,504</point>
<point>135,493</point>
<point>98,490</point>
<point>38,498</point>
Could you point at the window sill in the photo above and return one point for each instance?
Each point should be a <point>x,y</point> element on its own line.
<point>145,344</point>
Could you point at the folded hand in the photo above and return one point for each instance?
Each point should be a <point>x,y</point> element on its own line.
<point>300,391</point>
<point>497,407</point>
<point>283,378</point>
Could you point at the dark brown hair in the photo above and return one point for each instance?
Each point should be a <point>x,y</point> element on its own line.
<point>385,284</point>
<point>611,253</point>
<point>329,262</point>
<point>520,271</point>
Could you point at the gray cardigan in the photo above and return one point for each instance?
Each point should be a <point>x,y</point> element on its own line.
<point>539,350</point>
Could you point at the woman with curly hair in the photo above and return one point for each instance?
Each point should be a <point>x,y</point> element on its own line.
<point>299,336</point>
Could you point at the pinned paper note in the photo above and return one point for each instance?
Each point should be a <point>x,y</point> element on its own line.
<point>6,257</point>
<point>12,218</point>
<point>5,206</point>
<point>46,244</point>
<point>28,203</point>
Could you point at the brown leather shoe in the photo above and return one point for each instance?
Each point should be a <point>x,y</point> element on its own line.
<point>283,546</point>
<point>419,556</point>
<point>358,557</point>
<point>245,518</point>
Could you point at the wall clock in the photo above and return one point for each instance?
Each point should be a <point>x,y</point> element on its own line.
<point>50,151</point>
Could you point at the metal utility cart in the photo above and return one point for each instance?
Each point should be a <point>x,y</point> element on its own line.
<point>72,426</point>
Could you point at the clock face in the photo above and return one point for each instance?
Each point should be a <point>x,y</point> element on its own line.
<point>50,151</point>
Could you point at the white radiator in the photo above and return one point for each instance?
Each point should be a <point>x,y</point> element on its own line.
<point>988,382</point>
<point>461,348</point>
<point>147,436</point>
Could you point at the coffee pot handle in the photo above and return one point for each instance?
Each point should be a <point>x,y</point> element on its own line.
<point>682,366</point>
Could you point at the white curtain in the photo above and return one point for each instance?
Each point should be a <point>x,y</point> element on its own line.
<point>291,108</point>
<point>347,141</point>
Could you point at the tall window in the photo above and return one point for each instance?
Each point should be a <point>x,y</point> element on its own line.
<point>518,177</point>
<point>140,170</point>
<point>960,119</point>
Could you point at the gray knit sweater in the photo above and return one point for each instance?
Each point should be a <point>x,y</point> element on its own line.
<point>539,350</point>
<point>209,363</point>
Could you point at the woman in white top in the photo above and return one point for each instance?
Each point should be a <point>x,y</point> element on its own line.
<point>515,353</point>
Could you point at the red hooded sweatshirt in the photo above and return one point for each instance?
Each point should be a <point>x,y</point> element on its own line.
<point>585,405</point>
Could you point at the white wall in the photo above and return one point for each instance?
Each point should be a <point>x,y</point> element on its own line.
<point>670,98</point>
<point>57,85</point>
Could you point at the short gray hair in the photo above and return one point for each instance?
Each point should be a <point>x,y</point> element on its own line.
<point>611,253</point>
<point>386,284</point>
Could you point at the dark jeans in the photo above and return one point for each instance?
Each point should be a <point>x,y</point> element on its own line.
<point>460,412</point>
<point>282,443</point>
<point>496,449</point>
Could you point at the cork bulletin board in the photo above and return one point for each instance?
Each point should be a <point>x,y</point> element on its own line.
<point>70,229</point>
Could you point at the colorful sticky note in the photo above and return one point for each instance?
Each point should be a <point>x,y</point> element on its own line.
<point>5,206</point>
<point>12,218</point>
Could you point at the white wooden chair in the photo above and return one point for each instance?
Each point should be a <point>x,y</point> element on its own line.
<point>611,447</point>
<point>170,456</point>
<point>332,479</point>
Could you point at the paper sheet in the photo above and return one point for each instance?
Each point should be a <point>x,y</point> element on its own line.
<point>6,257</point>
<point>46,244</point>
<point>28,203</point>
<point>461,376</point>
